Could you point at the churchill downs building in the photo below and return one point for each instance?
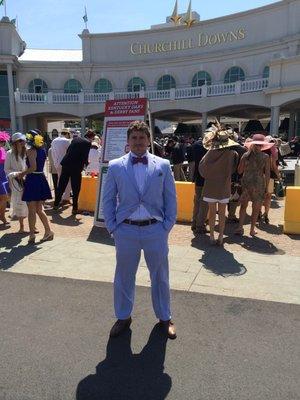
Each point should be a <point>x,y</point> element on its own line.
<point>242,66</point>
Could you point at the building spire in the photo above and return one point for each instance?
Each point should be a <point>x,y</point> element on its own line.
<point>175,17</point>
<point>188,18</point>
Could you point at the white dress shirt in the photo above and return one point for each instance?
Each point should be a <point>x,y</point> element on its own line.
<point>140,173</point>
<point>59,148</point>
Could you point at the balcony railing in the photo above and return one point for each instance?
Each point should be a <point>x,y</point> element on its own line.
<point>85,97</point>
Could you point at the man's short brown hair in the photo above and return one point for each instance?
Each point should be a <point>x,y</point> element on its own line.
<point>140,126</point>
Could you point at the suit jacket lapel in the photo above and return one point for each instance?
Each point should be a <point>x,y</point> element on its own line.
<point>150,171</point>
<point>129,170</point>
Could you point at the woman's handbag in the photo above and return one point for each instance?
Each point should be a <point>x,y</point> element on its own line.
<point>18,184</point>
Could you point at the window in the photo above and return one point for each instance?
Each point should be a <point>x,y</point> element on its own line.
<point>234,74</point>
<point>136,85</point>
<point>103,86</point>
<point>201,78</point>
<point>266,72</point>
<point>37,86</point>
<point>4,94</point>
<point>72,86</point>
<point>166,82</point>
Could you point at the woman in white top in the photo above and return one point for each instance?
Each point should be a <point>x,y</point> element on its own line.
<point>14,164</point>
<point>94,159</point>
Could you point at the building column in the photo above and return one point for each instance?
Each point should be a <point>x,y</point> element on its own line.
<point>204,122</point>
<point>82,123</point>
<point>291,125</point>
<point>12,107</point>
<point>152,125</point>
<point>297,123</point>
<point>20,124</point>
<point>274,123</point>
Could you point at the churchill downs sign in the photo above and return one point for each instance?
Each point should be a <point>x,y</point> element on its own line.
<point>203,40</point>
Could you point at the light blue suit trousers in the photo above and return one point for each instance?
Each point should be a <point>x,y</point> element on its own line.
<point>130,241</point>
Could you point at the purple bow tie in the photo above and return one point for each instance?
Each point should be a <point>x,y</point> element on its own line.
<point>142,160</point>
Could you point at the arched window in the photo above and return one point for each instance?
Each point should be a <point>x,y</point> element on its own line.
<point>136,85</point>
<point>201,78</point>
<point>234,74</point>
<point>166,82</point>
<point>266,72</point>
<point>37,86</point>
<point>72,86</point>
<point>103,86</point>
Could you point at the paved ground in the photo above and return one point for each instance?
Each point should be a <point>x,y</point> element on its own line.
<point>234,346</point>
<point>266,267</point>
<point>54,346</point>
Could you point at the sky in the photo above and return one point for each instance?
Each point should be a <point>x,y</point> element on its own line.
<point>55,24</point>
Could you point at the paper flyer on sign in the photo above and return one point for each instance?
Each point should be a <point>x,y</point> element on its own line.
<point>115,144</point>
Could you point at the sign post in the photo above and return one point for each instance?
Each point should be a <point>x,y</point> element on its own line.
<point>118,116</point>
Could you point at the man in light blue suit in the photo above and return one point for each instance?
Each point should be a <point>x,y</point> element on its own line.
<point>139,205</point>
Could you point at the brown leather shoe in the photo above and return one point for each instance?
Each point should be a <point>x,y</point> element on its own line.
<point>120,326</point>
<point>168,328</point>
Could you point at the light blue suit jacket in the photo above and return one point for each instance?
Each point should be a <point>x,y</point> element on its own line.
<point>121,196</point>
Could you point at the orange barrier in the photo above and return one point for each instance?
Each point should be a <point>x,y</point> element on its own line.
<point>292,210</point>
<point>185,201</point>
<point>184,190</point>
<point>88,194</point>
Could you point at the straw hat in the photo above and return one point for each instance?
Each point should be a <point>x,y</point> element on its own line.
<point>216,139</point>
<point>260,140</point>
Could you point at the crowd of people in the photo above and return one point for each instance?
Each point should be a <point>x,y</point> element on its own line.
<point>227,169</point>
<point>23,182</point>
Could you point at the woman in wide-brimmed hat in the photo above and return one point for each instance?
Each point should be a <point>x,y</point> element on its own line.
<point>216,167</point>
<point>255,168</point>
<point>15,163</point>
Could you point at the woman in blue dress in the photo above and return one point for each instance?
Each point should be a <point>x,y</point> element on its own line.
<point>36,188</point>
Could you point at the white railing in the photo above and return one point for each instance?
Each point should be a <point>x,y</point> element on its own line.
<point>187,93</point>
<point>33,98</point>
<point>221,89</point>
<point>158,94</point>
<point>126,95</point>
<point>96,97</point>
<point>59,98</point>
<point>254,85</point>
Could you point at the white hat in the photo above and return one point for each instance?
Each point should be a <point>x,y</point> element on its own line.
<point>18,136</point>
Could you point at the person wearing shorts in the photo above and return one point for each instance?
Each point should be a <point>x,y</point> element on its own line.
<point>216,167</point>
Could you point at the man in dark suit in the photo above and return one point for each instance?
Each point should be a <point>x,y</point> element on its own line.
<point>72,165</point>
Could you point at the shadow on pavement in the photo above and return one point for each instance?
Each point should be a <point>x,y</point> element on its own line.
<point>124,375</point>
<point>256,244</point>
<point>13,253</point>
<point>272,229</point>
<point>100,235</point>
<point>217,259</point>
<point>57,219</point>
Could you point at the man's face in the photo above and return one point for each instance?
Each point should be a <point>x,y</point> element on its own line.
<point>138,142</point>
